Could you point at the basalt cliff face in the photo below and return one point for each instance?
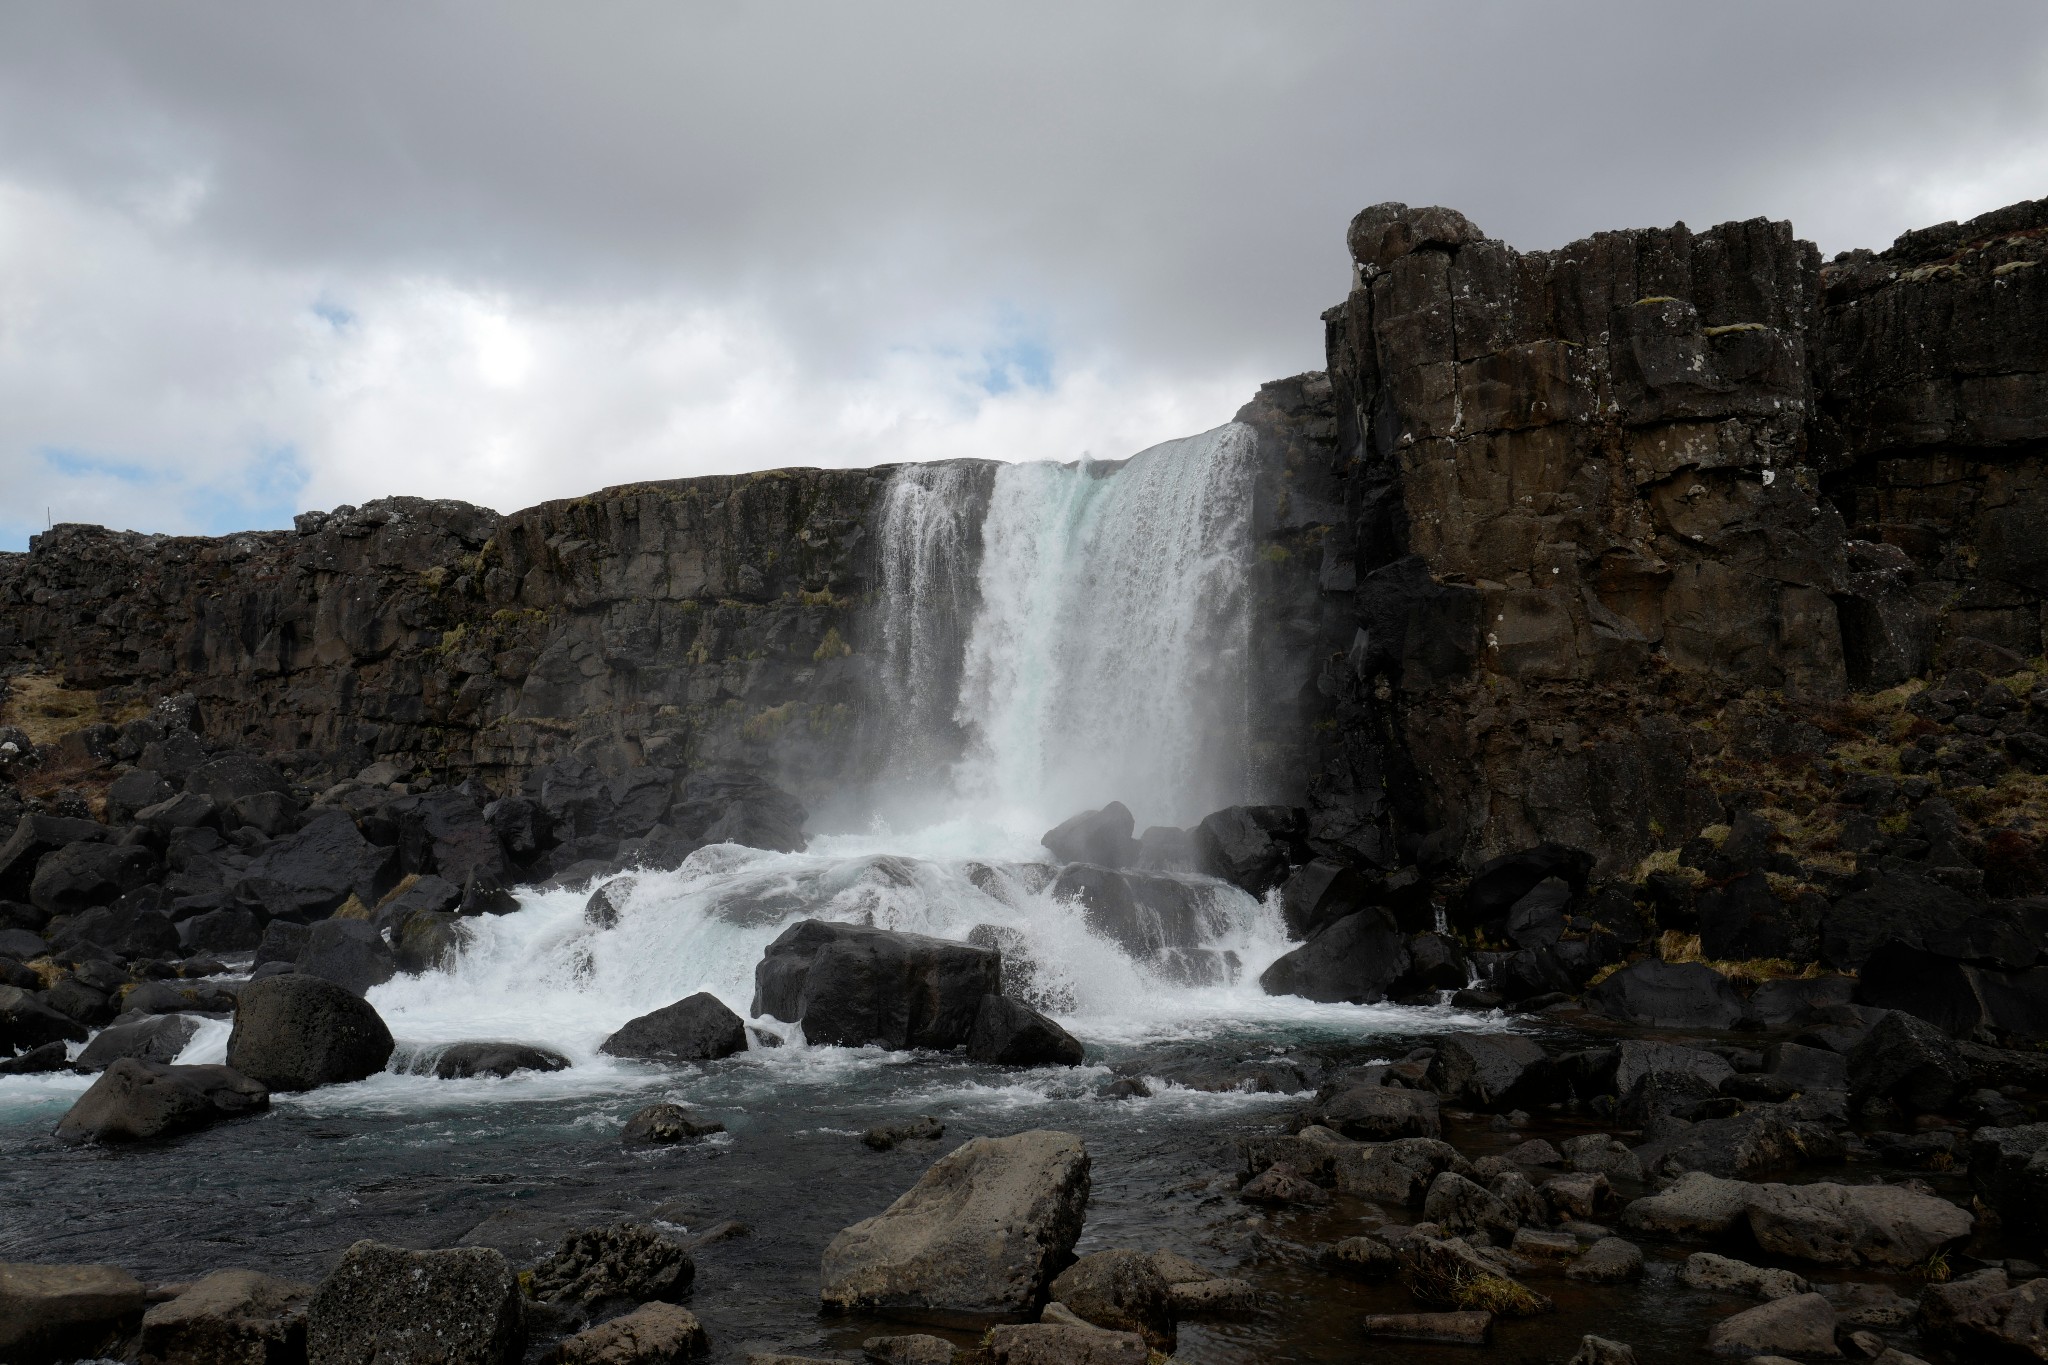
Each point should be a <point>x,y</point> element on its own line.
<point>1646,533</point>
<point>1605,546</point>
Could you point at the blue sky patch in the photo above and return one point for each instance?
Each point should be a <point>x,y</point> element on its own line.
<point>333,314</point>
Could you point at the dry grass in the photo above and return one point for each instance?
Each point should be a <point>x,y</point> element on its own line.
<point>41,705</point>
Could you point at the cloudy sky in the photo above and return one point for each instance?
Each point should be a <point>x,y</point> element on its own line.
<point>261,258</point>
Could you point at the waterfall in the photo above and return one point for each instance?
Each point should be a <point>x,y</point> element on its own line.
<point>1105,659</point>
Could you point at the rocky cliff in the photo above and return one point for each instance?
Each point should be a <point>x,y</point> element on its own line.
<point>1647,532</point>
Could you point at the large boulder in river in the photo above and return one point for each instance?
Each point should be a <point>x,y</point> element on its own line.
<point>851,985</point>
<point>462,1061</point>
<point>158,1038</point>
<point>1358,960</point>
<point>1494,1071</point>
<point>350,953</point>
<point>1253,846</point>
<point>982,1232</point>
<point>296,1032</point>
<point>382,1303</point>
<point>1010,1033</point>
<point>135,1100</point>
<point>51,1313</point>
<point>697,1028</point>
<point>1144,914</point>
<point>1122,1290</point>
<point>1102,837</point>
<point>597,1268</point>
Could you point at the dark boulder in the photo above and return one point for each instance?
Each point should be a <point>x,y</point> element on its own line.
<point>35,837</point>
<point>348,952</point>
<point>739,808</point>
<point>1358,959</point>
<point>307,874</point>
<point>230,1317</point>
<point>1924,914</point>
<point>22,945</point>
<point>38,1061</point>
<point>26,1021</point>
<point>2009,1171</point>
<point>463,1060</point>
<point>1494,1071</point>
<point>159,1038</point>
<point>1497,885</point>
<point>132,791</point>
<point>664,1124</point>
<point>1321,892</point>
<point>1668,995</point>
<point>56,1313</point>
<point>128,929</point>
<point>283,941</point>
<point>428,940</point>
<point>851,985</point>
<point>887,1137</point>
<point>1791,1003</point>
<point>232,930</point>
<point>606,1267</point>
<point>186,810</point>
<point>296,1032</point>
<point>1122,1290</point>
<point>1102,837</point>
<point>445,833</point>
<point>136,1100</point>
<point>1744,920</point>
<point>423,891</point>
<point>1009,1033</point>
<point>1537,920</point>
<point>1144,914</point>
<point>79,876</point>
<point>1910,1061</point>
<point>1371,1112</point>
<point>1168,848</point>
<point>1253,847</point>
<point>697,1028</point>
<point>230,777</point>
<point>461,1306</point>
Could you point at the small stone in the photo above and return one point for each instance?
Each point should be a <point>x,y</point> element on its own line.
<point>1045,1343</point>
<point>914,1349</point>
<point>886,1136</point>
<point>1724,1274</point>
<point>1278,1184</point>
<point>652,1334</point>
<point>1553,1247</point>
<point>1600,1351</point>
<point>1197,1298</point>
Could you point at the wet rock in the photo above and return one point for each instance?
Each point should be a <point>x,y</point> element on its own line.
<point>428,940</point>
<point>350,953</point>
<point>34,838</point>
<point>1321,892</point>
<point>1359,959</point>
<point>1364,1258</point>
<point>652,1334</point>
<point>661,1124</point>
<point>1910,1061</point>
<point>1876,1225</point>
<point>1450,1329</point>
<point>914,1349</point>
<point>1376,1113</point>
<point>1044,1343</point>
<point>1252,847</point>
<point>463,1060</point>
<point>1801,1325</point>
<point>230,1317</point>
<point>134,1101</point>
<point>1668,995</point>
<point>1397,1173</point>
<point>1808,1068</point>
<point>1580,1195</point>
<point>1495,889</point>
<point>1493,1071</point>
<point>1600,1351</point>
<point>1212,1298</point>
<point>1986,1313</point>
<point>594,1269</point>
<point>1121,1290</point>
<point>1281,1184</point>
<point>1545,1248</point>
<point>26,1022</point>
<point>1867,1305</point>
<point>456,1307</point>
<point>1697,1207</point>
<point>983,1230</point>
<point>283,941</point>
<point>157,1039</point>
<point>60,1313</point>
<point>884,1137</point>
<point>1611,1260</point>
<point>1010,1033</point>
<point>1635,1059</point>
<point>1466,1209</point>
<point>297,1032</point>
<point>38,1061</point>
<point>1102,837</point>
<point>1446,1273</point>
<point>1759,1141</point>
<point>1725,1275</point>
<point>230,930</point>
<point>851,985</point>
<point>697,1028</point>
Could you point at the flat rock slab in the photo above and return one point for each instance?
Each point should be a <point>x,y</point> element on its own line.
<point>652,1334</point>
<point>134,1101</point>
<point>384,1303</point>
<point>1045,1343</point>
<point>1453,1329</point>
<point>982,1232</point>
<point>231,1317</point>
<point>1800,1325</point>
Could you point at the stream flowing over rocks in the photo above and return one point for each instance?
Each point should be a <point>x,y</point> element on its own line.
<point>1530,838</point>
